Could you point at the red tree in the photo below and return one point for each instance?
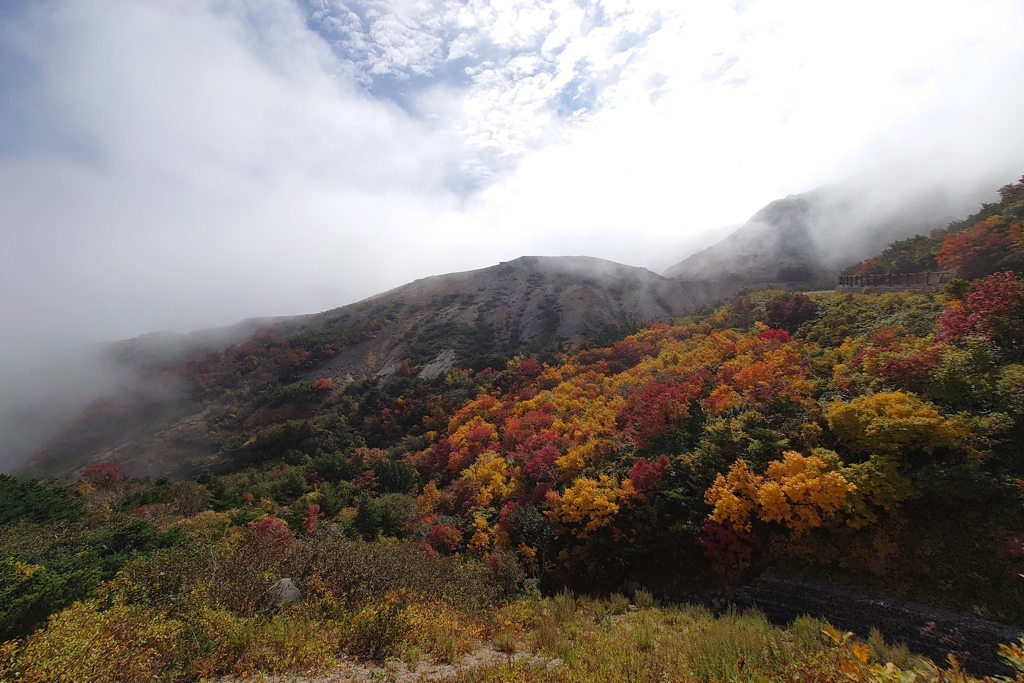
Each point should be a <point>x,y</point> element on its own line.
<point>105,475</point>
<point>789,312</point>
<point>444,537</point>
<point>647,475</point>
<point>976,251</point>
<point>992,309</point>
<point>312,521</point>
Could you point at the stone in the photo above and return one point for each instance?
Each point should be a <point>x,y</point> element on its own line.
<point>284,592</point>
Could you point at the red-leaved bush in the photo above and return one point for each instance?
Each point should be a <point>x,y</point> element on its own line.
<point>540,467</point>
<point>774,335</point>
<point>367,481</point>
<point>105,475</point>
<point>912,372</point>
<point>647,475</point>
<point>789,312</point>
<point>444,537</point>
<point>727,547</point>
<point>655,409</point>
<point>992,309</point>
<point>312,521</point>
<point>976,250</point>
<point>269,536</point>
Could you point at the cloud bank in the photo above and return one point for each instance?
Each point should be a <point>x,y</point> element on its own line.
<point>175,165</point>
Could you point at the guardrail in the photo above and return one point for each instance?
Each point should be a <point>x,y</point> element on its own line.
<point>897,279</point>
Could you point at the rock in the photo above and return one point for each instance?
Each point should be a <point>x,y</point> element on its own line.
<point>284,592</point>
<point>444,362</point>
<point>388,369</point>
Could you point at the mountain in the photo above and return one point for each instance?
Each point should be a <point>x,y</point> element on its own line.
<point>180,418</point>
<point>39,396</point>
<point>517,305</point>
<point>808,238</point>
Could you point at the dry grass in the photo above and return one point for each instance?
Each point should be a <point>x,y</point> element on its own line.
<point>564,639</point>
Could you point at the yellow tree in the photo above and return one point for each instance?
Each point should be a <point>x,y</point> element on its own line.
<point>799,492</point>
<point>590,504</point>
<point>891,421</point>
<point>491,472</point>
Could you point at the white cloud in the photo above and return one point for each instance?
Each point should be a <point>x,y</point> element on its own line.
<point>188,164</point>
<point>753,105</point>
<point>223,174</point>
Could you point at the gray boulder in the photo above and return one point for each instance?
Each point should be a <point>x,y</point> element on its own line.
<point>284,592</point>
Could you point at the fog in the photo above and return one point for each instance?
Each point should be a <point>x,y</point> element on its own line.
<point>184,165</point>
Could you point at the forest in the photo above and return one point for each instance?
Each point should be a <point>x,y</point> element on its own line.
<point>871,439</point>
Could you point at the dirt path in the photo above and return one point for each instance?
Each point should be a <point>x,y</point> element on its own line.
<point>398,672</point>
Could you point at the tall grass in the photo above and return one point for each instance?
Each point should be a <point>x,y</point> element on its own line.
<point>735,647</point>
<point>567,638</point>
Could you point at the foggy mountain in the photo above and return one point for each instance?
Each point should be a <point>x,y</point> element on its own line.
<point>809,237</point>
<point>155,426</point>
<point>37,399</point>
<point>133,390</point>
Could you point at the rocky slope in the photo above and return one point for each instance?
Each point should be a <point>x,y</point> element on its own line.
<point>514,306</point>
<point>165,426</point>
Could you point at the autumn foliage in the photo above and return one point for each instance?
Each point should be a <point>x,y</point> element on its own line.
<point>851,436</point>
<point>104,475</point>
<point>798,492</point>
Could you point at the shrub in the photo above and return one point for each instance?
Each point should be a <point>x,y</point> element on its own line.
<point>357,572</point>
<point>644,599</point>
<point>563,606</point>
<point>789,311</point>
<point>377,629</point>
<point>807,632</point>
<point>104,475</point>
<point>83,644</point>
<point>992,309</point>
<point>618,603</point>
<point>33,501</point>
<point>444,537</point>
<point>30,593</point>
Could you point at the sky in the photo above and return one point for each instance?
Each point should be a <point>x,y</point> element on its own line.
<point>179,164</point>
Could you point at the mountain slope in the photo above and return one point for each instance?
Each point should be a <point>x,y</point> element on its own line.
<point>518,305</point>
<point>810,237</point>
<point>40,395</point>
<point>187,415</point>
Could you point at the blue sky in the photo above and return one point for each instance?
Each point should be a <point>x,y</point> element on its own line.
<point>176,164</point>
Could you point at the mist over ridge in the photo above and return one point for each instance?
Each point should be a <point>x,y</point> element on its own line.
<point>185,166</point>
<point>799,241</point>
<point>811,236</point>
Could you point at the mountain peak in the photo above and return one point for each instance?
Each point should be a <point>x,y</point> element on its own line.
<point>809,237</point>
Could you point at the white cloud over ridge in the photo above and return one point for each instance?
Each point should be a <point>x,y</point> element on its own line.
<point>171,165</point>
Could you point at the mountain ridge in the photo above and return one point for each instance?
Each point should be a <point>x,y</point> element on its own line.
<point>810,237</point>
<point>483,316</point>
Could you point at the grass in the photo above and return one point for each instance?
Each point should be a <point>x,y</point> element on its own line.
<point>563,639</point>
<point>600,642</point>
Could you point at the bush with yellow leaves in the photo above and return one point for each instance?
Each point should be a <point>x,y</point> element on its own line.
<point>891,422</point>
<point>589,504</point>
<point>799,492</point>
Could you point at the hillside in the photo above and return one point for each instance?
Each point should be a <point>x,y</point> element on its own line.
<point>422,508</point>
<point>171,421</point>
<point>43,393</point>
<point>808,238</point>
<point>990,240</point>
